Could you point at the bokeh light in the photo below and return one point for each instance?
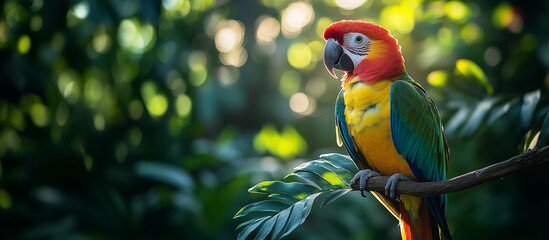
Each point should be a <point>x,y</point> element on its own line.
<point>437,78</point>
<point>155,102</point>
<point>229,36</point>
<point>135,109</point>
<point>227,76</point>
<point>228,41</point>
<point>5,199</point>
<point>197,62</point>
<point>302,104</point>
<point>183,105</point>
<point>316,87</point>
<point>24,44</point>
<point>93,91</point>
<point>286,145</point>
<point>290,82</point>
<point>69,86</point>
<point>299,102</point>
<point>136,37</point>
<point>398,17</point>
<point>101,40</point>
<point>3,33</point>
<point>507,16</point>
<point>299,55</point>
<point>296,16</point>
<point>268,29</point>
<point>99,122</point>
<point>471,33</point>
<point>457,11</point>
<point>176,8</point>
<point>35,23</point>
<point>321,24</point>
<point>492,56</point>
<point>350,4</point>
<point>236,57</point>
<point>40,115</point>
<point>81,10</point>
<point>62,114</point>
<point>174,82</point>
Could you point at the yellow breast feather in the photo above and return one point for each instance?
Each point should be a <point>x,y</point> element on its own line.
<point>367,113</point>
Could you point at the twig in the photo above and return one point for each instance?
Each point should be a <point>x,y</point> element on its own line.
<point>521,162</point>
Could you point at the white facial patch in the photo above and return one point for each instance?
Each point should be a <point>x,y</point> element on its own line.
<point>356,46</point>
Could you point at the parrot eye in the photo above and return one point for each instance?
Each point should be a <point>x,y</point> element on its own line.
<point>357,43</point>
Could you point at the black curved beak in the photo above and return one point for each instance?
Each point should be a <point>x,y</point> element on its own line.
<point>334,57</point>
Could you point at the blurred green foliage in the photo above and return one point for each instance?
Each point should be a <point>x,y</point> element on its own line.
<point>151,119</point>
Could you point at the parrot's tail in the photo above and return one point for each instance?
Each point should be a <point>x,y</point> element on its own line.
<point>416,222</point>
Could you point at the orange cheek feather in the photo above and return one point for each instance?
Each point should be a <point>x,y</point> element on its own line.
<point>384,61</point>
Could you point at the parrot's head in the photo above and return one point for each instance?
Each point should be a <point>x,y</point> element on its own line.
<point>362,49</point>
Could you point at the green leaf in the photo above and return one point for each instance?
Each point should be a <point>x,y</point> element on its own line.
<point>336,174</point>
<point>295,217</point>
<point>501,110</point>
<point>293,177</point>
<point>332,196</point>
<point>543,138</point>
<point>340,160</point>
<point>529,103</point>
<point>283,223</point>
<point>314,178</point>
<point>266,228</point>
<point>308,206</point>
<point>293,197</point>
<point>262,206</point>
<point>478,116</point>
<point>251,221</point>
<point>325,176</point>
<point>295,189</point>
<point>282,219</point>
<point>250,228</point>
<point>283,198</point>
<point>530,140</point>
<point>333,174</point>
<point>166,173</point>
<point>456,121</point>
<point>437,78</point>
<point>472,73</point>
<point>537,136</point>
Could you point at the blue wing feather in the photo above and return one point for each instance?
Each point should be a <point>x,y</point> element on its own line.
<point>417,134</point>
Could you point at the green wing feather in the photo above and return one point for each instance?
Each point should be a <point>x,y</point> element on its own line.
<point>418,136</point>
<point>417,131</point>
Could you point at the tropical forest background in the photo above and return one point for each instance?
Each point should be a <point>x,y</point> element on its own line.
<point>139,119</point>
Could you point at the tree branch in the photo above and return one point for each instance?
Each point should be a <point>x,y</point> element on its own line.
<point>521,162</point>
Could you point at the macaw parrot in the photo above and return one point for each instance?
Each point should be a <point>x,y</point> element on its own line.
<point>387,123</point>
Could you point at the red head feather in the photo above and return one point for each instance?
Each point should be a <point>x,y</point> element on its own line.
<point>384,60</point>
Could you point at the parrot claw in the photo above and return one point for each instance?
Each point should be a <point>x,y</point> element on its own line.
<point>392,182</point>
<point>362,176</point>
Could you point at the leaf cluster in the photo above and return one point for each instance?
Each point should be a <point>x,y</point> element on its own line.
<point>290,200</point>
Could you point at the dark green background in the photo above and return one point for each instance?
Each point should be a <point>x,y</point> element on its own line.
<point>109,135</point>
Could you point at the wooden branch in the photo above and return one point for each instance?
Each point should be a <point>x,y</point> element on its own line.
<point>521,162</point>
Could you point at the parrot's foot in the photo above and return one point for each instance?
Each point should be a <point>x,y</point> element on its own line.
<point>363,176</point>
<point>392,182</point>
